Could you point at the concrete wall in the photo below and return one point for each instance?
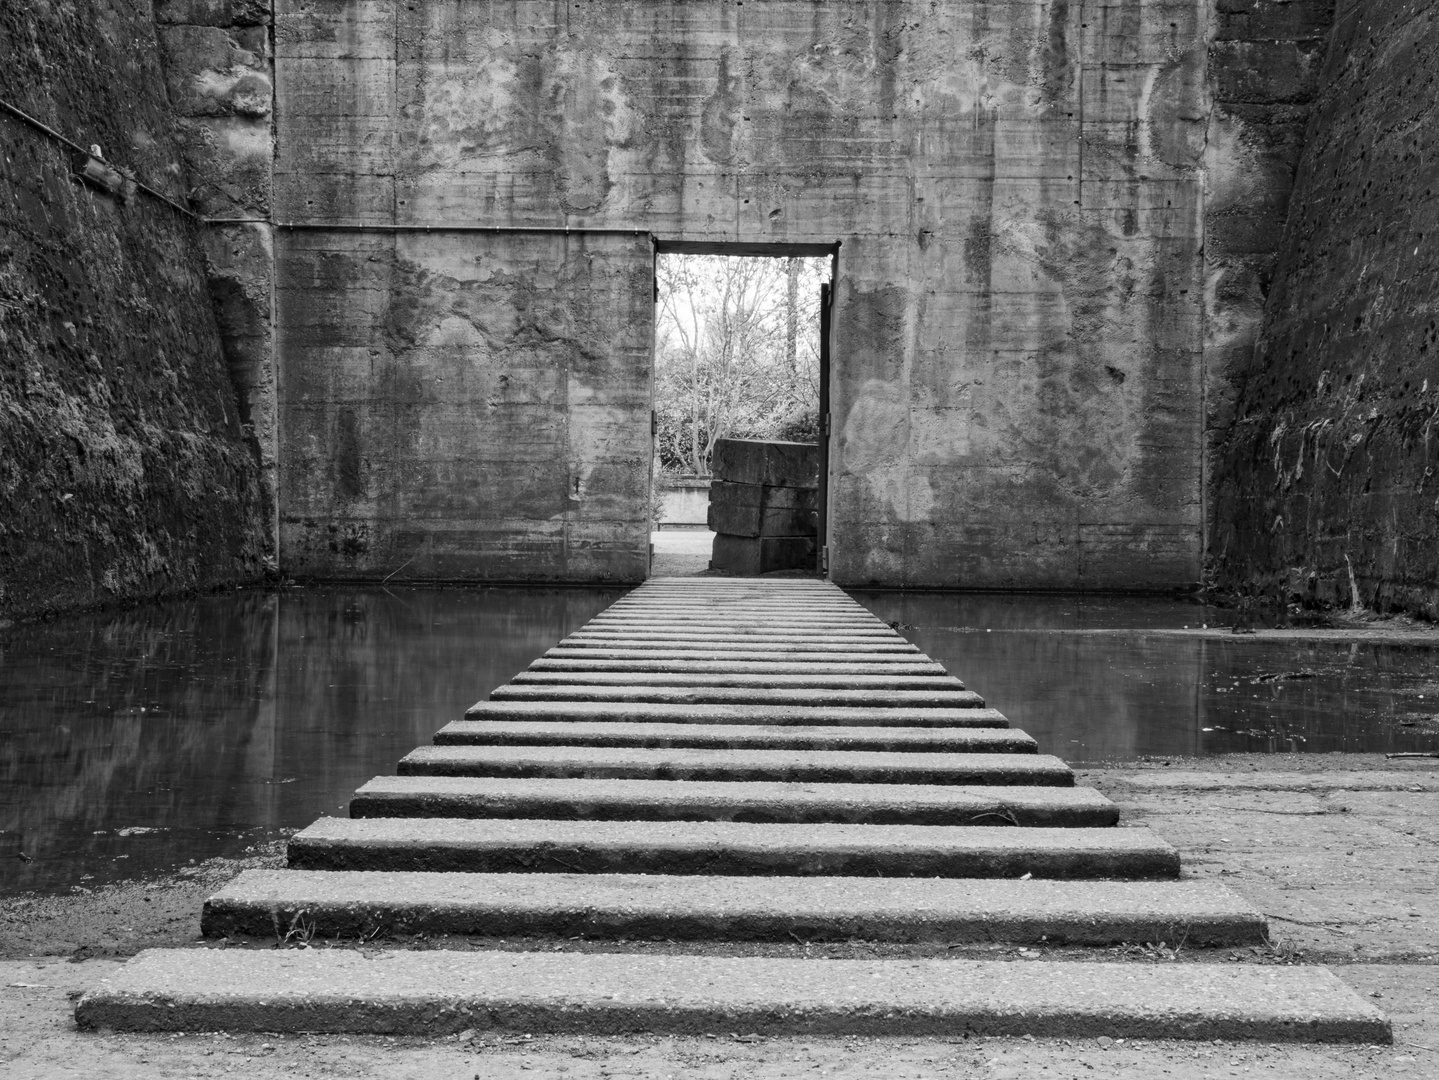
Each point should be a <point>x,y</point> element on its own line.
<point>464,405</point>
<point>124,471</point>
<point>1017,186</point>
<point>686,502</point>
<point>1330,465</point>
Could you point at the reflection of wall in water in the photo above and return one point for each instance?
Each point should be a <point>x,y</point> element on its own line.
<point>155,717</point>
<point>210,717</point>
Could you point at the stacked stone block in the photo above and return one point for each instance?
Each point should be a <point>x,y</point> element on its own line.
<point>764,506</point>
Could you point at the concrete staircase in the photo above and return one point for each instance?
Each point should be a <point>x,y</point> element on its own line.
<point>729,761</point>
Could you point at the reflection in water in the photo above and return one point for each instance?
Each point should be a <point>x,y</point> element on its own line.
<point>1082,675</point>
<point>132,743</point>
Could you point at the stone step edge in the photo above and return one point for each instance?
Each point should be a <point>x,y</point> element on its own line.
<point>509,845</point>
<point>749,764</point>
<point>820,680</point>
<point>732,736</point>
<point>362,904</point>
<point>583,712</point>
<point>748,802</point>
<point>738,695</point>
<point>443,992</point>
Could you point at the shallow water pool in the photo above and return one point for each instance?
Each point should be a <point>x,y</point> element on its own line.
<point>133,743</point>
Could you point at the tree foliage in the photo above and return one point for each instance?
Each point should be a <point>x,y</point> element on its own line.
<point>736,352</point>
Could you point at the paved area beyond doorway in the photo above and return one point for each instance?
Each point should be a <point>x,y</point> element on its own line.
<point>681,552</point>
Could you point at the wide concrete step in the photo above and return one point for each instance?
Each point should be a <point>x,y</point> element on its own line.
<point>772,802</point>
<point>750,634</point>
<point>798,666</point>
<point>439,992</point>
<point>786,715</point>
<point>796,616</point>
<point>767,587</point>
<point>735,737</point>
<point>842,628</point>
<point>358,904</point>
<point>697,763</point>
<point>821,681</point>
<point>750,649</point>
<point>744,607</point>
<point>883,661</point>
<point>728,847</point>
<point>810,606</point>
<point>741,695</point>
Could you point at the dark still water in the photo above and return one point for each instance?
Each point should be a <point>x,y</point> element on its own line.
<point>1100,679</point>
<point>133,743</point>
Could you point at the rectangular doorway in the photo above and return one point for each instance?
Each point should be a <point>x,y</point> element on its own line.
<point>742,351</point>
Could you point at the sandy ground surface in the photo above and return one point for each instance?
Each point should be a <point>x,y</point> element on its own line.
<point>1339,850</point>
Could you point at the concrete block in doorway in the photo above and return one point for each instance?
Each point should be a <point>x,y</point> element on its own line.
<point>752,555</point>
<point>762,510</point>
<point>751,521</point>
<point>781,464</point>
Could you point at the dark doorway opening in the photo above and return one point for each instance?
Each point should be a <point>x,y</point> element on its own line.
<point>742,351</point>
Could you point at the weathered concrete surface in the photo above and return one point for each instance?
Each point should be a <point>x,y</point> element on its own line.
<point>1335,908</point>
<point>720,713</point>
<point>1338,860</point>
<point>751,537</point>
<point>262,903</point>
<point>728,847</point>
<point>766,463</point>
<point>858,619</point>
<point>567,655</point>
<point>799,666</point>
<point>751,556</point>
<point>1323,487</point>
<point>36,1011</point>
<point>483,414</point>
<point>734,736</point>
<point>641,645</point>
<point>1017,186</point>
<point>746,638</point>
<point>698,763</point>
<point>445,992</point>
<point>754,801</point>
<point>124,469</point>
<point>644,681</point>
<point>761,510</point>
<point>719,695</point>
<point>740,644</point>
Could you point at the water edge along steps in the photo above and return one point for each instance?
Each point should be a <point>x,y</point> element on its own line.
<point>735,761</point>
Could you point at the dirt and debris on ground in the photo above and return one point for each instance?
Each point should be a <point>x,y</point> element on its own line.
<point>1338,850</point>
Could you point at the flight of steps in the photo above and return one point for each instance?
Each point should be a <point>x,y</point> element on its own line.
<point>734,761</point>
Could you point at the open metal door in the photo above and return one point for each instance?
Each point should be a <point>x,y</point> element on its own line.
<point>826,302</point>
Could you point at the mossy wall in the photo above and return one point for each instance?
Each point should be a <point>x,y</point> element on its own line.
<point>125,470</point>
<point>1325,486</point>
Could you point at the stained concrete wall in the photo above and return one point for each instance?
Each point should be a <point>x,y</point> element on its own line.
<point>1017,186</point>
<point>1330,464</point>
<point>123,468</point>
<point>464,405</point>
